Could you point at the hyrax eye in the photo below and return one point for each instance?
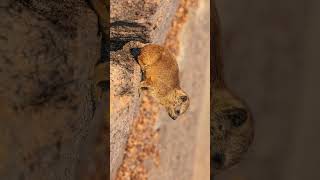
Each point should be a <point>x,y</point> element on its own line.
<point>237,116</point>
<point>177,112</point>
<point>184,98</point>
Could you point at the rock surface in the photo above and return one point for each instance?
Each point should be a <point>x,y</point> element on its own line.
<point>48,119</point>
<point>144,21</point>
<point>50,124</point>
<point>184,143</point>
<point>125,77</point>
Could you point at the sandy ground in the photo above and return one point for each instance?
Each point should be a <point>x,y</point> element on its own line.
<point>181,142</point>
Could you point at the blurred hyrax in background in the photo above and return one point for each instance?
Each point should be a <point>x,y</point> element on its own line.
<point>231,128</point>
<point>271,58</point>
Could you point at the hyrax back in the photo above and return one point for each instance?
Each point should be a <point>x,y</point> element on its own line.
<point>161,77</point>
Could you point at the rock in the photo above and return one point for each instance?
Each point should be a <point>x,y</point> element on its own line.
<point>183,143</point>
<point>48,118</point>
<point>125,77</point>
<point>142,20</point>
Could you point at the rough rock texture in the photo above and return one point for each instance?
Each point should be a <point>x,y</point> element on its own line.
<point>183,143</point>
<point>141,151</point>
<point>125,77</point>
<point>49,121</point>
<point>144,21</point>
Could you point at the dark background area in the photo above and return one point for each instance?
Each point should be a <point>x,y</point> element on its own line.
<point>271,56</point>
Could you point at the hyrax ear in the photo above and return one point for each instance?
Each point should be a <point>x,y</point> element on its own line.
<point>237,116</point>
<point>184,98</point>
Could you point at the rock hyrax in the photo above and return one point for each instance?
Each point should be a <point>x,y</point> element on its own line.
<point>161,78</point>
<point>231,127</point>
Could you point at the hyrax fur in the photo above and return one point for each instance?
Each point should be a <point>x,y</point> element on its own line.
<point>100,8</point>
<point>231,127</point>
<point>161,78</point>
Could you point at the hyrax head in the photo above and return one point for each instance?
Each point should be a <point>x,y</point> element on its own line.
<point>231,130</point>
<point>176,103</point>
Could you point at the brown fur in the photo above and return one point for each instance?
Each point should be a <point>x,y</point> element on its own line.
<point>161,75</point>
<point>100,8</point>
<point>231,128</point>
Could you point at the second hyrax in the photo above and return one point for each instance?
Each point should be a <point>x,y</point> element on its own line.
<point>231,122</point>
<point>161,77</point>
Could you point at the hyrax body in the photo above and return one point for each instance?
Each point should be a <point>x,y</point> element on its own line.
<point>161,78</point>
<point>231,127</point>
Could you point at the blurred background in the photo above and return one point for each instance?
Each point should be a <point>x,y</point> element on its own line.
<point>271,56</point>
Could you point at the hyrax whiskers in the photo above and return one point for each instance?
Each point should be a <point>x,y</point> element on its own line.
<point>161,78</point>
